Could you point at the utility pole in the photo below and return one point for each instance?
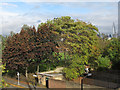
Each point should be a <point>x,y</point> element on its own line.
<point>89,74</point>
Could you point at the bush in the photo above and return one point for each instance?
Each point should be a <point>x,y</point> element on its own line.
<point>3,84</point>
<point>75,69</point>
<point>113,52</point>
<point>103,63</point>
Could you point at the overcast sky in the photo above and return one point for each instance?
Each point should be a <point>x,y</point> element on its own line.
<point>13,15</point>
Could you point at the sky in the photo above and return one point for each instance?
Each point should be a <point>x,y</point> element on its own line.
<point>13,15</point>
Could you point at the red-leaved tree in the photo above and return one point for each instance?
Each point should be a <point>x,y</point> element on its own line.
<point>18,52</point>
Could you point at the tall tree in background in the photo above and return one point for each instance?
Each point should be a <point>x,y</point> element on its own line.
<point>12,33</point>
<point>26,27</point>
<point>113,52</point>
<point>3,41</point>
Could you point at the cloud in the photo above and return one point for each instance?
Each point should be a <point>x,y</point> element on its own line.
<point>14,21</point>
<point>4,19</point>
<point>104,23</point>
<point>7,4</point>
<point>101,16</point>
<point>98,16</point>
<point>61,0</point>
<point>38,21</point>
<point>6,14</point>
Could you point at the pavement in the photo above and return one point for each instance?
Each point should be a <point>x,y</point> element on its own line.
<point>13,83</point>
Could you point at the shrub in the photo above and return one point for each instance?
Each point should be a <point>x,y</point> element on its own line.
<point>103,63</point>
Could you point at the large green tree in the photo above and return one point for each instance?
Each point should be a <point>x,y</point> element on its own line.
<point>81,41</point>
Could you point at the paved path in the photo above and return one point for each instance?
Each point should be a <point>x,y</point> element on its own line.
<point>14,84</point>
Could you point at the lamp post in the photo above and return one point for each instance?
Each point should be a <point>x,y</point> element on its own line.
<point>89,74</point>
<point>18,74</point>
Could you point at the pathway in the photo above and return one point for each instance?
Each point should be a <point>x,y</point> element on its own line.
<point>13,83</point>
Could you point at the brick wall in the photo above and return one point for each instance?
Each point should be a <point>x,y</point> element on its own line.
<point>78,80</point>
<point>72,85</point>
<point>52,83</point>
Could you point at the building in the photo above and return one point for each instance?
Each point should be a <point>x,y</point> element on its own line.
<point>53,74</point>
<point>114,31</point>
<point>119,18</point>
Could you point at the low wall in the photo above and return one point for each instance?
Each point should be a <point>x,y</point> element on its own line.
<point>72,85</point>
<point>89,83</point>
<point>52,83</point>
<point>78,80</point>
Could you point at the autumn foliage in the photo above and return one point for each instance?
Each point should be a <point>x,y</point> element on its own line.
<point>45,42</point>
<point>29,47</point>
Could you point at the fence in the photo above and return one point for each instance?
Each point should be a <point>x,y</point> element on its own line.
<point>109,76</point>
<point>87,83</point>
<point>101,83</point>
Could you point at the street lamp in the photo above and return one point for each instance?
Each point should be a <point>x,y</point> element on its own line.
<point>18,74</point>
<point>89,74</point>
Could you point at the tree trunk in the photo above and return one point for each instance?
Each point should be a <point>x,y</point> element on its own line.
<point>48,67</point>
<point>26,74</point>
<point>37,69</point>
